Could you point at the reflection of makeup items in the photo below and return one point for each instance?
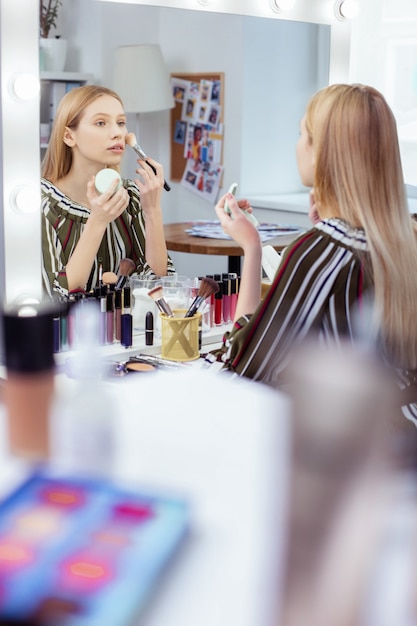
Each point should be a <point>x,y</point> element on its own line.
<point>126,330</point>
<point>131,141</point>
<point>149,328</point>
<point>157,295</point>
<point>208,286</point>
<point>29,387</point>
<point>157,360</point>
<point>127,267</point>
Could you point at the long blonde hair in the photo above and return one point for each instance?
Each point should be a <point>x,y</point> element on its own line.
<point>58,158</point>
<point>358,177</point>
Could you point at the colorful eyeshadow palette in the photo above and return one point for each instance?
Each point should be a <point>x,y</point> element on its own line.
<point>77,551</point>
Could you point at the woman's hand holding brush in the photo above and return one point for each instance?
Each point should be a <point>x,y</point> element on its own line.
<point>131,141</point>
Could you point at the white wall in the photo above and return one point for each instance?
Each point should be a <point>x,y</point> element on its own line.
<point>384,54</point>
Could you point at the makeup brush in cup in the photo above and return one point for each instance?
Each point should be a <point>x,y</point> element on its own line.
<point>208,287</point>
<point>157,294</point>
<point>127,267</point>
<point>131,141</point>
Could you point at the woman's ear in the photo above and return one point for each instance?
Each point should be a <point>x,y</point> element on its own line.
<point>68,137</point>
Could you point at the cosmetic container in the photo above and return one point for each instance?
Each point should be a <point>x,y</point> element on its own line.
<point>117,314</point>
<point>226,297</point>
<point>218,306</point>
<point>28,340</point>
<point>82,418</point>
<point>110,317</point>
<point>149,328</point>
<point>126,319</point>
<point>233,297</point>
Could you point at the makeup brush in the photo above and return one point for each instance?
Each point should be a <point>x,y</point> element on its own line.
<point>131,141</point>
<point>127,267</point>
<point>157,295</point>
<point>208,287</point>
<point>109,278</point>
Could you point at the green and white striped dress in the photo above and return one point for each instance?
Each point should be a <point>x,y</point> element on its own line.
<point>63,221</point>
<point>322,287</point>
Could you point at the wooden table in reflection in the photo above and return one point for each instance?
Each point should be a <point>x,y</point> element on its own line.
<point>180,241</point>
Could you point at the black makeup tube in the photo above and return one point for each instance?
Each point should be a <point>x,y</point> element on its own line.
<point>149,328</point>
<point>126,330</point>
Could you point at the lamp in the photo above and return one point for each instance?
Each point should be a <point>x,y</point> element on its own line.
<point>141,79</point>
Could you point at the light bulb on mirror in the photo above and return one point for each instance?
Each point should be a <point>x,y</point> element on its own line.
<point>282,5</point>
<point>25,87</point>
<point>346,9</point>
<point>25,199</point>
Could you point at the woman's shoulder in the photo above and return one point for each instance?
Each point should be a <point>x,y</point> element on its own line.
<point>343,233</point>
<point>57,206</point>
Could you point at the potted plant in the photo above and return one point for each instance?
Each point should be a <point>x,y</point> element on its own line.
<point>48,14</point>
<point>53,51</point>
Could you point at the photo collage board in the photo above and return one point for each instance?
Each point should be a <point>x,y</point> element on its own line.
<point>197,133</point>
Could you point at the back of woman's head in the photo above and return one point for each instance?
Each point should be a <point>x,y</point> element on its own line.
<point>58,157</point>
<point>358,177</point>
<point>357,158</point>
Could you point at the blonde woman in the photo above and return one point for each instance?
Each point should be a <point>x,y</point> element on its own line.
<point>85,232</point>
<point>360,256</point>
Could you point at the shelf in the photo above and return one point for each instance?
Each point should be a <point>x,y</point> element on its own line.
<point>66,76</point>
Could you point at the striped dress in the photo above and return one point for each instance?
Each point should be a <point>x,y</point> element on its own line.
<point>323,286</point>
<point>63,221</point>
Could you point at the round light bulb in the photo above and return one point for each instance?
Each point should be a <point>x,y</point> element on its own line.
<point>25,87</point>
<point>282,5</point>
<point>26,199</point>
<point>347,9</point>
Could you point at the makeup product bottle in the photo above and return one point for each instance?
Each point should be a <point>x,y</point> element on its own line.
<point>233,298</point>
<point>218,306</point>
<point>117,314</point>
<point>126,319</point>
<point>82,421</point>
<point>28,340</point>
<point>226,293</point>
<point>110,317</point>
<point>149,328</point>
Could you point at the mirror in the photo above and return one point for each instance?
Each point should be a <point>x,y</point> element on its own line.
<point>91,51</point>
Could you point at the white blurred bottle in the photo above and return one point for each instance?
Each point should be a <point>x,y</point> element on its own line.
<point>82,421</point>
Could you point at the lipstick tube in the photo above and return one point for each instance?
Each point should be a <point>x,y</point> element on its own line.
<point>226,300</point>
<point>218,306</point>
<point>233,298</point>
<point>126,320</point>
<point>110,317</point>
<point>117,313</point>
<point>149,328</point>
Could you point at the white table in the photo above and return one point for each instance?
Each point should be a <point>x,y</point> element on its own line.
<point>222,443</point>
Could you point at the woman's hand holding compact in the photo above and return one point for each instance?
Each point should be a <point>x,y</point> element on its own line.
<point>107,206</point>
<point>236,224</point>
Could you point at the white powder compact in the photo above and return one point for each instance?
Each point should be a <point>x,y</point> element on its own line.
<point>105,178</point>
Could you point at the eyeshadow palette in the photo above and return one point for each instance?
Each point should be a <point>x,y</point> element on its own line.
<point>76,551</point>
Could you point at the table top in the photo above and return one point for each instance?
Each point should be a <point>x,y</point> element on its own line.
<point>179,241</point>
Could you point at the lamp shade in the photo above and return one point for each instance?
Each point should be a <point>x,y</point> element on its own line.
<point>141,79</point>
